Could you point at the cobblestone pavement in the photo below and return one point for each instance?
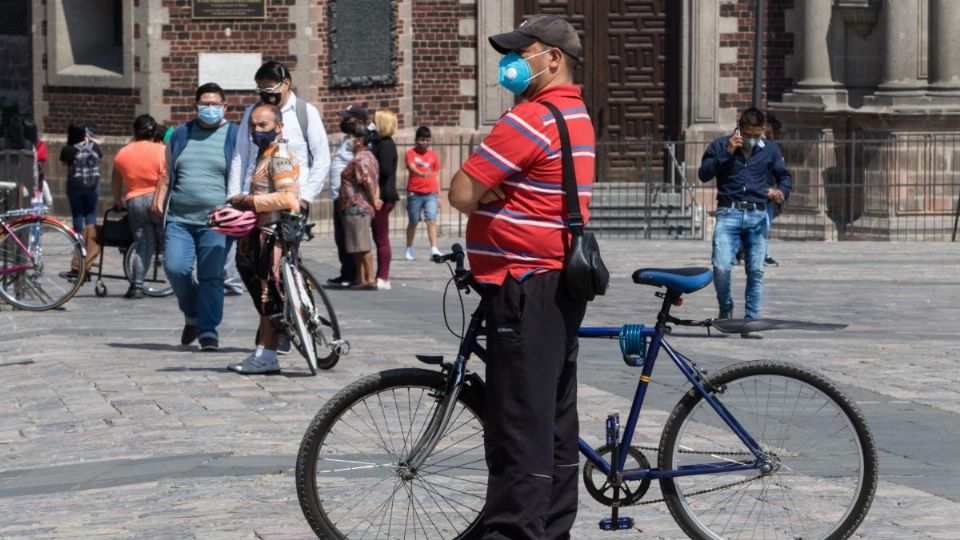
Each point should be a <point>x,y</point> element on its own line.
<point>110,429</point>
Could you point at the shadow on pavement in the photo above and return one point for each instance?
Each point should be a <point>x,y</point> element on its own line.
<point>173,347</point>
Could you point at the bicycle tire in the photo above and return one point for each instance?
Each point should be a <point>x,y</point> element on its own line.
<point>329,498</point>
<point>47,285</point>
<point>808,494</point>
<point>156,286</point>
<point>323,320</point>
<point>294,306</point>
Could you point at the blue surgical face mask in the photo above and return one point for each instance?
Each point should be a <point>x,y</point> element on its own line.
<point>515,72</point>
<point>754,142</point>
<point>211,115</point>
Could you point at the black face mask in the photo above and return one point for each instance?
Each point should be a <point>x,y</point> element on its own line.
<point>270,98</point>
<point>263,139</point>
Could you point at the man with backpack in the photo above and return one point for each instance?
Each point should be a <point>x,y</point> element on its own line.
<point>198,162</point>
<point>306,141</point>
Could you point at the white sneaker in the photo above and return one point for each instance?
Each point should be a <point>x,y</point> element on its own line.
<point>255,365</point>
<point>436,251</point>
<point>383,285</point>
<point>408,254</point>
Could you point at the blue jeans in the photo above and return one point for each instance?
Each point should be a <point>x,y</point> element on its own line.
<point>735,229</point>
<point>200,299</point>
<point>422,203</point>
<point>83,205</point>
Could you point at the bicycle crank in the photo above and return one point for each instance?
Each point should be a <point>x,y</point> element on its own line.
<point>629,492</point>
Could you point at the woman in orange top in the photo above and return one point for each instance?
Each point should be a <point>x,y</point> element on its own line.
<point>136,170</point>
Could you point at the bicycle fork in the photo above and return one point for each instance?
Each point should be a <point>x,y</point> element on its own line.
<point>456,376</point>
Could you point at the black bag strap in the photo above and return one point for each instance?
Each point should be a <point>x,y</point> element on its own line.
<point>574,217</point>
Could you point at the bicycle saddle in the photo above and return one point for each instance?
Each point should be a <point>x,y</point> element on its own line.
<point>682,280</point>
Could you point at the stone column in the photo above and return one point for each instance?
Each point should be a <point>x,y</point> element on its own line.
<point>901,60</point>
<point>816,51</point>
<point>944,47</point>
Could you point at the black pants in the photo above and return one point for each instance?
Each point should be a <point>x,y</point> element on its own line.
<point>348,264</point>
<point>530,408</point>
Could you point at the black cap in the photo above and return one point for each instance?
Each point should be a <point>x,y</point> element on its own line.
<point>550,29</point>
<point>355,110</point>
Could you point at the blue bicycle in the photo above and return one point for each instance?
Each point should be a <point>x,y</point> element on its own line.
<point>760,449</point>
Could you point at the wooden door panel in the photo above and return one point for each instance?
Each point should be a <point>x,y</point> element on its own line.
<point>630,66</point>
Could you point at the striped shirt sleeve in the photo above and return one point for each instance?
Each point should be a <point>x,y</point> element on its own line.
<point>515,143</point>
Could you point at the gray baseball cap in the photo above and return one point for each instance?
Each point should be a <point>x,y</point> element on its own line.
<point>550,29</point>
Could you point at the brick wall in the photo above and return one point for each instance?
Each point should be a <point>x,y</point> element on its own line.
<point>777,44</point>
<point>109,111</point>
<point>436,62</point>
<point>188,38</point>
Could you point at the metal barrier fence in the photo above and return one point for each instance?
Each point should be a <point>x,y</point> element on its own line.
<point>903,188</point>
<point>900,188</point>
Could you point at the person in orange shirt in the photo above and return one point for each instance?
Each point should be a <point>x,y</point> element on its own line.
<point>423,190</point>
<point>274,188</point>
<point>136,170</point>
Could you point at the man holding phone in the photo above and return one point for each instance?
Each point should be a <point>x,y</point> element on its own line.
<point>742,164</point>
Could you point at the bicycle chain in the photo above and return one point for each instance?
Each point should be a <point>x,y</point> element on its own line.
<point>703,491</point>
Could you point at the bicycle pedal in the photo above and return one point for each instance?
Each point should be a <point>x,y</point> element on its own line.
<point>621,523</point>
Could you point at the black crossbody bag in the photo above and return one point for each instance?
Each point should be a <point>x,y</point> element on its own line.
<point>584,273</point>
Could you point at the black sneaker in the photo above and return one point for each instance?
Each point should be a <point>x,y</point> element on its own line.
<point>209,344</point>
<point>769,261</point>
<point>189,334</point>
<point>724,315</point>
<point>338,283</point>
<point>134,293</point>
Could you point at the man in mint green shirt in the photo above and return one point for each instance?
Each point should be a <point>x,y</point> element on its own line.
<point>198,163</point>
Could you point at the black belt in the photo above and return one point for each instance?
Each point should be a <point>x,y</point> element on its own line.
<point>742,205</point>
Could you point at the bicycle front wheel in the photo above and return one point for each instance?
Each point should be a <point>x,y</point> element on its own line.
<point>155,282</point>
<point>297,309</point>
<point>322,323</point>
<point>825,461</point>
<point>45,279</point>
<point>352,481</point>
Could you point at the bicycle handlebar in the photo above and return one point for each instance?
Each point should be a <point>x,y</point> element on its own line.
<point>462,277</point>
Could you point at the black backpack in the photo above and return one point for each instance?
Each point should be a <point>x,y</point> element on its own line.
<point>85,171</point>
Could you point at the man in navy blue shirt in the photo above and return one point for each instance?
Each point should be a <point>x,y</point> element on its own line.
<point>742,164</point>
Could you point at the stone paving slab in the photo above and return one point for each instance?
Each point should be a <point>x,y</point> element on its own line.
<point>110,429</point>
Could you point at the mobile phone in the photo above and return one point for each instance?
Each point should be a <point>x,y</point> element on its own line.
<point>736,130</point>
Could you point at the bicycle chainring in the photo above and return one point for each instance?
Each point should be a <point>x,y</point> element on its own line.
<point>630,491</point>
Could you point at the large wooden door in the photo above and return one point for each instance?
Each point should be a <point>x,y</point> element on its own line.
<point>630,73</point>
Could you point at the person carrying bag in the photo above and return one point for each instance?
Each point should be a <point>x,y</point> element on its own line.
<point>584,273</point>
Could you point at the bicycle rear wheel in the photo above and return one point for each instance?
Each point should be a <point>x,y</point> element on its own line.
<point>155,278</point>
<point>46,281</point>
<point>297,308</point>
<point>322,324</point>
<point>351,479</point>
<point>825,460</point>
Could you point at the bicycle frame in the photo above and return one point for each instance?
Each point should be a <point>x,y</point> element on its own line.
<point>457,375</point>
<point>4,270</point>
<point>657,342</point>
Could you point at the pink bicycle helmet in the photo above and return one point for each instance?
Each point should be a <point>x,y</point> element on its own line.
<point>229,221</point>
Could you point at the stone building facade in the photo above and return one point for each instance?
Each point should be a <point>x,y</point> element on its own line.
<point>887,71</point>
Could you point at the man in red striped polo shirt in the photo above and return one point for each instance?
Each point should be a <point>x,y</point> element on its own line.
<point>517,236</point>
